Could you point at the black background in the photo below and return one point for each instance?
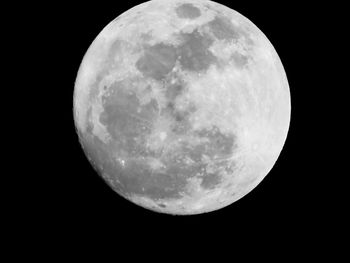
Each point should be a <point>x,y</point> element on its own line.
<point>69,196</point>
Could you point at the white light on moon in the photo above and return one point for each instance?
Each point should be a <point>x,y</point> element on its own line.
<point>241,88</point>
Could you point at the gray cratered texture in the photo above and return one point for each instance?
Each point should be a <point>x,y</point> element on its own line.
<point>182,106</point>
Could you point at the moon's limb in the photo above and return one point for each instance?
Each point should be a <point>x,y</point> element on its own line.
<point>252,101</point>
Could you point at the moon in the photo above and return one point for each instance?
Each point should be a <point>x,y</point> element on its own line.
<point>182,106</point>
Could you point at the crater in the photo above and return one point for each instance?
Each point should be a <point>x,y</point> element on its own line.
<point>223,29</point>
<point>187,11</point>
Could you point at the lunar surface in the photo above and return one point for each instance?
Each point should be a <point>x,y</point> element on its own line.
<point>183,107</point>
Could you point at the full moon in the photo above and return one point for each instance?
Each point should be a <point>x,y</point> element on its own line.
<point>182,106</point>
